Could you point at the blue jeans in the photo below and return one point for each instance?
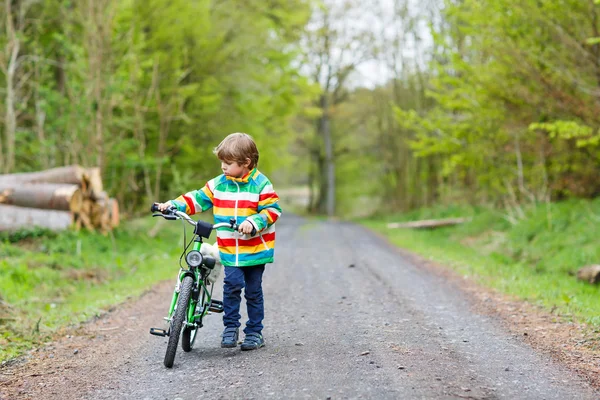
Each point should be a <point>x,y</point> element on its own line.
<point>249,279</point>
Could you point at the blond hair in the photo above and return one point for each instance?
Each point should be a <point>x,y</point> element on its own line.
<point>238,147</point>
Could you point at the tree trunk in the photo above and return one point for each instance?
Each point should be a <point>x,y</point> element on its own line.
<point>40,119</point>
<point>14,218</point>
<point>321,197</point>
<point>97,13</point>
<point>432,181</point>
<point>10,118</point>
<point>163,130</point>
<point>49,196</point>
<point>329,177</point>
<point>311,187</point>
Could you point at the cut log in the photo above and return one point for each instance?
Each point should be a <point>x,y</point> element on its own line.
<point>86,206</point>
<point>14,218</point>
<point>100,216</point>
<point>73,174</point>
<point>50,196</point>
<point>113,211</point>
<point>100,197</point>
<point>85,221</point>
<point>590,274</point>
<point>93,182</point>
<point>428,223</point>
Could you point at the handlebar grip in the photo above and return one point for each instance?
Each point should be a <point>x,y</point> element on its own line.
<point>170,210</point>
<point>235,226</point>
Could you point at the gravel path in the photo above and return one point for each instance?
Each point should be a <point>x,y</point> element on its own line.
<point>346,317</point>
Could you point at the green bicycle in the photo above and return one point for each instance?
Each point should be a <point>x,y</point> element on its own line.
<point>192,298</point>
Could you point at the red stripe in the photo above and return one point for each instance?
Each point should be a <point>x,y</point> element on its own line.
<point>265,196</point>
<point>231,203</point>
<point>190,204</point>
<point>250,242</point>
<point>273,215</point>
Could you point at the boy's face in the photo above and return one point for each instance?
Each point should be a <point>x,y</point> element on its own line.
<point>233,169</point>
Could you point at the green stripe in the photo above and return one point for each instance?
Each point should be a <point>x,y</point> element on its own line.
<point>232,188</point>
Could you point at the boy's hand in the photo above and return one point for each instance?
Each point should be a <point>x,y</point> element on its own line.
<point>246,227</point>
<point>163,206</point>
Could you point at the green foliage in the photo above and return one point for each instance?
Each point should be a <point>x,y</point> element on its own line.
<point>51,281</point>
<point>593,41</point>
<point>567,130</point>
<point>515,115</point>
<point>28,233</point>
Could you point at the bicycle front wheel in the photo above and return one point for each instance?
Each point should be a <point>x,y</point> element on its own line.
<point>185,291</point>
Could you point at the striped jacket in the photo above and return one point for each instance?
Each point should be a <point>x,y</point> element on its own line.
<point>251,197</point>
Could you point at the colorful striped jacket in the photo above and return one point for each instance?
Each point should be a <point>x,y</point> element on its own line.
<point>251,197</point>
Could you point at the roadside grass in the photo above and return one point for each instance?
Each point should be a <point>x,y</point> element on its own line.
<point>534,259</point>
<point>49,281</point>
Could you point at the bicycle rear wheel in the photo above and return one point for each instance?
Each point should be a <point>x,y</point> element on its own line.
<point>188,338</point>
<point>189,334</point>
<point>183,300</point>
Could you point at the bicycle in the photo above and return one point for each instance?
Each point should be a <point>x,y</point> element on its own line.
<point>192,298</point>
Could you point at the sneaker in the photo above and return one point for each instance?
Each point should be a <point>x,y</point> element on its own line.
<point>229,337</point>
<point>253,341</point>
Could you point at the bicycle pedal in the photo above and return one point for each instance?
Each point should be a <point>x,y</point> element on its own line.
<point>158,332</point>
<point>216,306</point>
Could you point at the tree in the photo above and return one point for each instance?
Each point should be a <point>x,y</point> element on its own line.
<point>499,67</point>
<point>15,21</point>
<point>146,89</point>
<point>335,46</point>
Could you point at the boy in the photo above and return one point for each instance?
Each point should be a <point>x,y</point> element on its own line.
<point>241,192</point>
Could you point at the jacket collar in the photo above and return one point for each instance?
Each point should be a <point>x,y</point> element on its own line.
<point>244,179</point>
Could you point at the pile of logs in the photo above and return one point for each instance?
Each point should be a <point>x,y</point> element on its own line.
<point>57,199</point>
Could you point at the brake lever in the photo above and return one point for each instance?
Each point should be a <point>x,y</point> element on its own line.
<point>236,226</point>
<point>169,217</point>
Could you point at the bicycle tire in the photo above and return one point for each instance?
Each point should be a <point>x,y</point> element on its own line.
<point>185,291</point>
<point>188,338</point>
<point>190,334</point>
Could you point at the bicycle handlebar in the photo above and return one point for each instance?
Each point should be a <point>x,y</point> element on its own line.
<point>201,228</point>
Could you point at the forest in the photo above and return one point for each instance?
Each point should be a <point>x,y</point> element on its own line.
<point>370,105</point>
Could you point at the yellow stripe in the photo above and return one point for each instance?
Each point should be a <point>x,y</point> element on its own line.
<point>230,212</point>
<point>268,215</point>
<point>188,210</point>
<point>247,249</point>
<point>268,202</point>
<point>207,192</point>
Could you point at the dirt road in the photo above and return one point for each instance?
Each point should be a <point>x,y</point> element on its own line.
<point>346,317</point>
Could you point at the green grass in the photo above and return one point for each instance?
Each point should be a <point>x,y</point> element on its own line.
<point>50,281</point>
<point>534,259</point>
